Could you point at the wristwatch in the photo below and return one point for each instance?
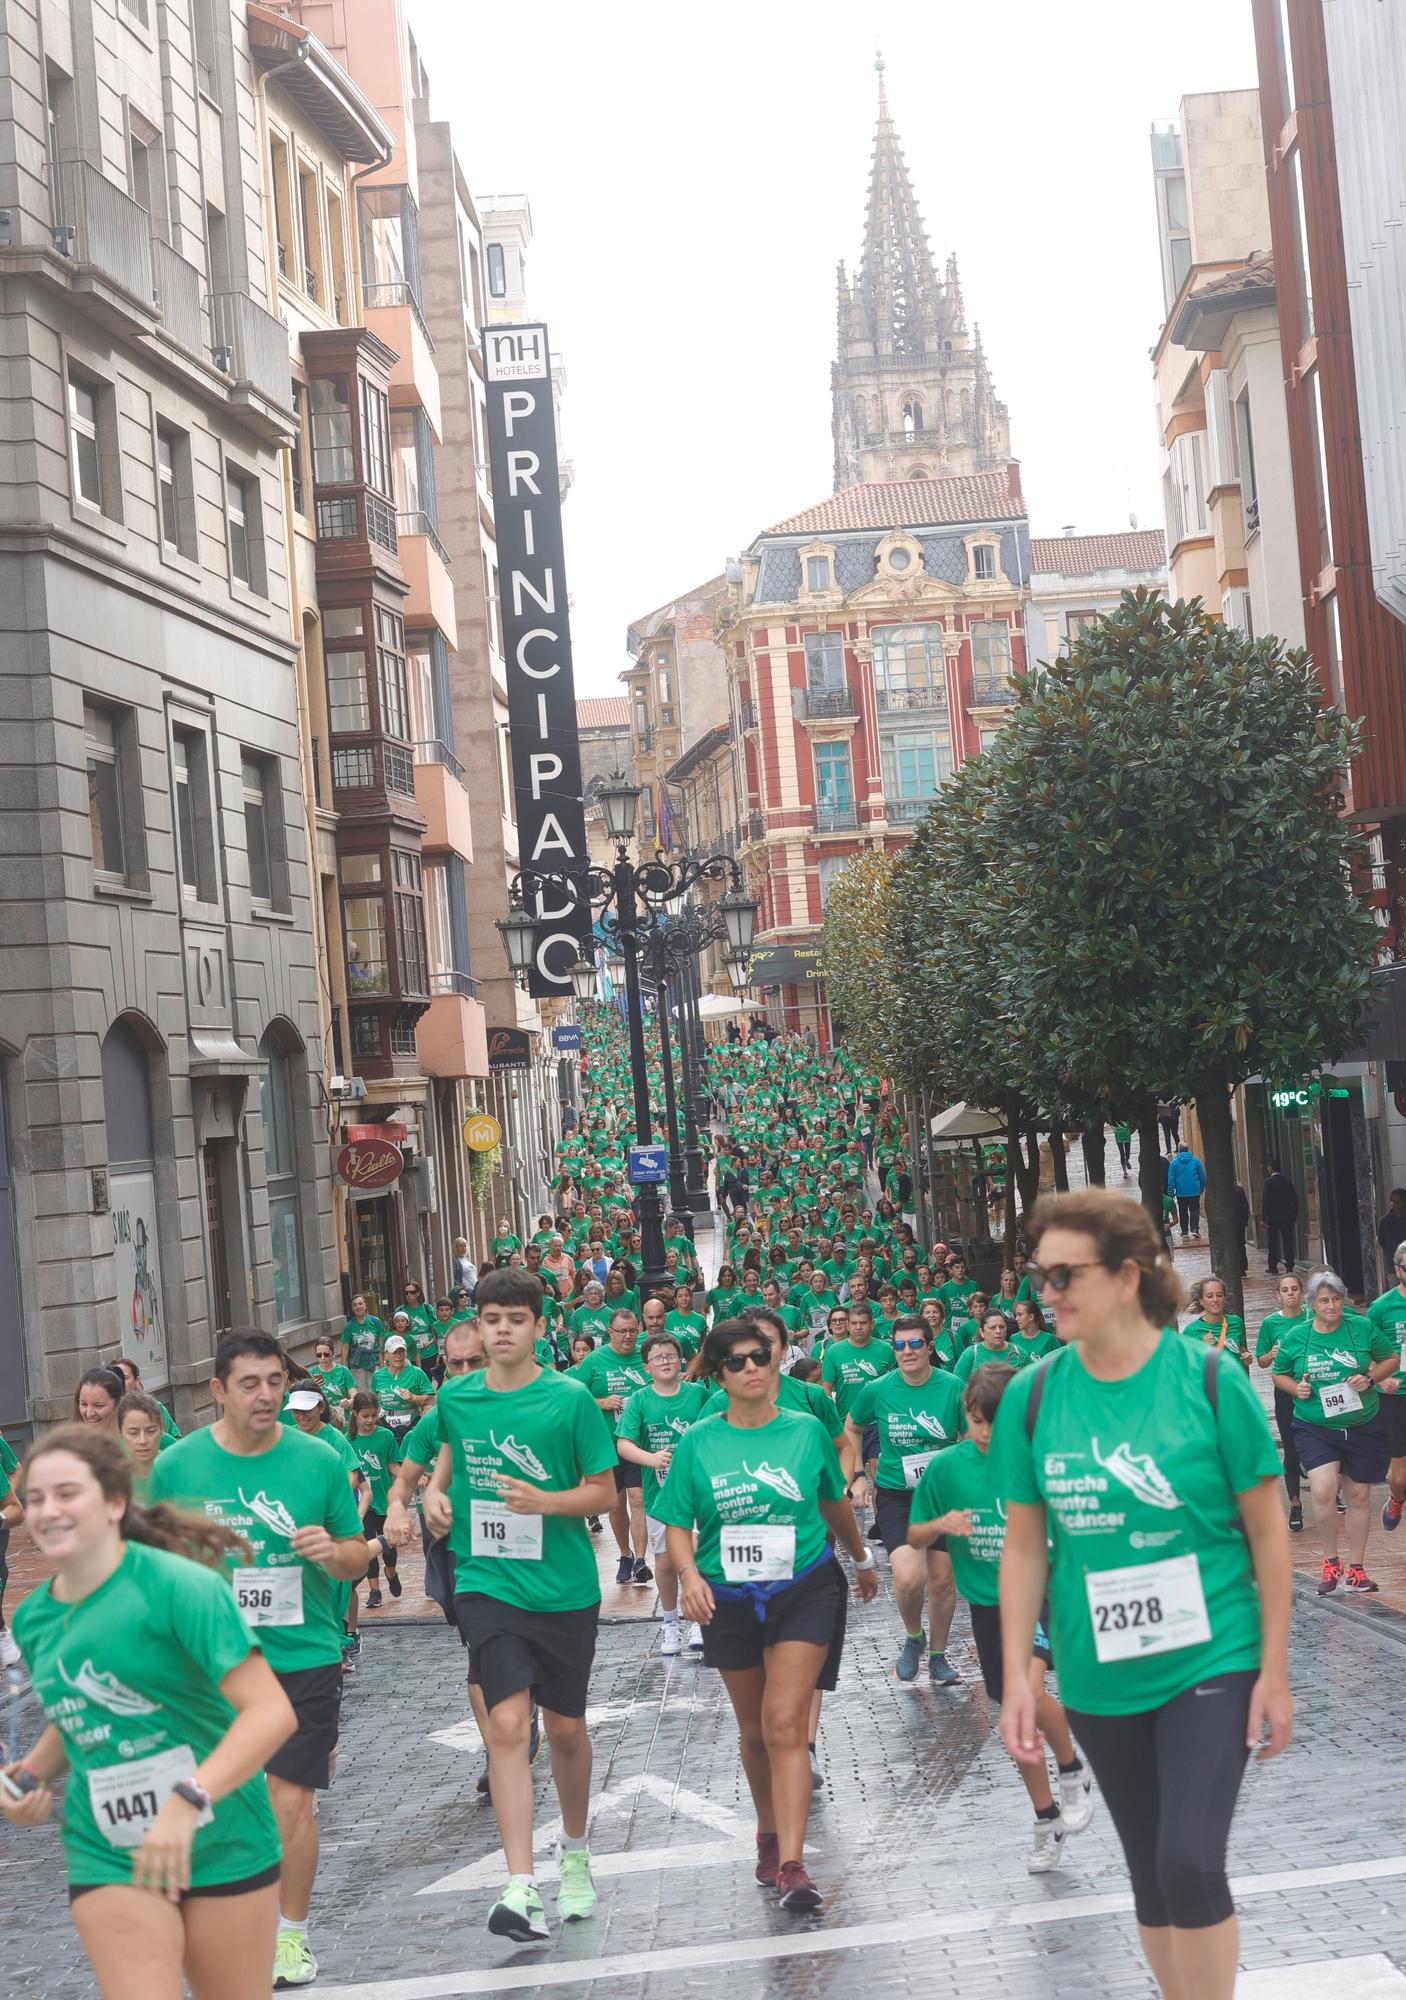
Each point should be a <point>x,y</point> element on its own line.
<point>193,1792</point>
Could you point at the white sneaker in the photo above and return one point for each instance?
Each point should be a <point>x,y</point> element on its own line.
<point>1076,1799</point>
<point>10,1652</point>
<point>695,1637</point>
<point>1046,1847</point>
<point>671,1645</point>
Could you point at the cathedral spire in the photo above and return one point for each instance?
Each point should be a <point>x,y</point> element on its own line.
<point>897,282</point>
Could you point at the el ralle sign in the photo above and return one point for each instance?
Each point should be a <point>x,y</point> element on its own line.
<point>371,1166</point>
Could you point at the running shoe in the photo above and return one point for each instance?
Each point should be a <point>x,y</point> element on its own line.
<point>768,1859</point>
<point>1296,1518</point>
<point>1046,1847</point>
<point>518,1913</point>
<point>1358,1580</point>
<point>941,1672</point>
<point>10,1652</point>
<point>293,1962</point>
<point>1391,1521</point>
<point>1076,1799</point>
<point>671,1644</point>
<point>374,1600</point>
<point>1332,1575</point>
<point>695,1637</point>
<point>910,1657</point>
<point>625,1570</point>
<point>393,1583</point>
<point>817,1776</point>
<point>794,1888</point>
<point>534,1736</point>
<point>576,1897</point>
<point>481,1783</point>
<point>642,1573</point>
<point>593,1523</point>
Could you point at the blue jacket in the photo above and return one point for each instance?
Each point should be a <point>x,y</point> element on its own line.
<point>1185,1174</point>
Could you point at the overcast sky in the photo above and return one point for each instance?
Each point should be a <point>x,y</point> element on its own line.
<point>696,172</point>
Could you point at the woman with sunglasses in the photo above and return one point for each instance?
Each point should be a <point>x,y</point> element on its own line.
<point>424,1329</point>
<point>338,1383</point>
<point>1140,1483</point>
<point>762,1486</point>
<point>918,1411</point>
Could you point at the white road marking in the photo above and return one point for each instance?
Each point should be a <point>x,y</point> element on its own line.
<point>1370,1978</point>
<point>616,1798</point>
<point>911,1929</point>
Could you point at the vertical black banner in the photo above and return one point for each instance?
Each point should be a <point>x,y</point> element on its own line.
<point>546,748</point>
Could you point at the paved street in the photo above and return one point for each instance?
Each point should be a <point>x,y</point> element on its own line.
<point>919,1841</point>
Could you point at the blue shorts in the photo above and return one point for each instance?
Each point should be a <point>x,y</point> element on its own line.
<point>1362,1450</point>
<point>872,1443</point>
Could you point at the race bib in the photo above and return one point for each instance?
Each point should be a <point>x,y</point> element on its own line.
<point>758,1554</point>
<point>497,1531</point>
<point>270,1596</point>
<point>127,1797</point>
<point>1339,1401</point>
<point>1155,1608</point>
<point>915,1464</point>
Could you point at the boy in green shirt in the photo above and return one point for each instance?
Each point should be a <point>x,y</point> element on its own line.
<point>650,1425</point>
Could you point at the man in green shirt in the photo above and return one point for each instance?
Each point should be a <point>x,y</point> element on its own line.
<point>650,1425</point>
<point>526,1457</point>
<point>291,1500</point>
<point>850,1365</point>
<point>612,1374</point>
<point>957,1288</point>
<point>1388,1315</point>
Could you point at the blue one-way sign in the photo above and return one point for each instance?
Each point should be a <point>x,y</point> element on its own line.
<point>649,1164</point>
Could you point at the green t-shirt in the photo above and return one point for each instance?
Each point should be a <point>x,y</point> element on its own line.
<point>852,1368</point>
<point>504,1246</point>
<point>720,1301</point>
<point>979,1353</point>
<point>1271,1330</point>
<point>169,1427</point>
<point>954,1293</point>
<point>132,1672</point>
<point>656,1422</point>
<point>9,1466</point>
<point>793,1394</point>
<point>1130,1473</point>
<point>362,1341</point>
<point>724,1478</point>
<point>421,1446</point>
<point>606,1373</point>
<point>339,1442</point>
<point>338,1382</point>
<point>266,1497</point>
<point>1229,1333</point>
<point>1388,1313</point>
<point>594,1320</point>
<point>375,1454</point>
<point>1325,1360</point>
<point>551,1433</point>
<point>688,1329</point>
<point>393,1392</point>
<point>913,1423</point>
<point>963,1477</point>
<point>1031,1346</point>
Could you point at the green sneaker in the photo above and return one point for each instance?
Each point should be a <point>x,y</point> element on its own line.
<point>577,1895</point>
<point>293,1962</point>
<point>518,1913</point>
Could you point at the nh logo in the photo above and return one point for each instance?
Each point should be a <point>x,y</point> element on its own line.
<point>517,353</point>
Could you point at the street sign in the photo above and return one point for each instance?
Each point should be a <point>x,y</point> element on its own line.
<point>649,1165</point>
<point>370,1168</point>
<point>566,1038</point>
<point>482,1133</point>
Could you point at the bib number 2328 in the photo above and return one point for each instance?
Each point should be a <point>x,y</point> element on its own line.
<point>1153,1608</point>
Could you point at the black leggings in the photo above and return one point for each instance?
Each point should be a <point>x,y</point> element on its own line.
<point>1284,1418</point>
<point>1170,1778</point>
<point>4,1570</point>
<point>371,1527</point>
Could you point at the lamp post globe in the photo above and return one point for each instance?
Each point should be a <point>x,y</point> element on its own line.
<point>619,802</point>
<point>583,979</point>
<point>739,970</point>
<point>739,914</point>
<point>519,934</point>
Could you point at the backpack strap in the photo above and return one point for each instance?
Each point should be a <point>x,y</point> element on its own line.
<point>1210,1377</point>
<point>1037,1391</point>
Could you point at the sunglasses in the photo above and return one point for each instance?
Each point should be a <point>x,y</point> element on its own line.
<point>1058,1277</point>
<point>906,1341</point>
<point>760,1357</point>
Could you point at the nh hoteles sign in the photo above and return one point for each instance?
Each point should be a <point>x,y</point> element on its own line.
<point>546,749</point>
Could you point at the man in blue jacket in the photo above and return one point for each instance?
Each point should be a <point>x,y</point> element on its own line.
<point>1186,1179</point>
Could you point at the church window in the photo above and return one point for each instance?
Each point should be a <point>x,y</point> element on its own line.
<point>912,416</point>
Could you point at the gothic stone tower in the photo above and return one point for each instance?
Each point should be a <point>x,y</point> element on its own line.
<point>911,392</point>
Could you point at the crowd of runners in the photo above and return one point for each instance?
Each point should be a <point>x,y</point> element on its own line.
<point>1079,1455</point>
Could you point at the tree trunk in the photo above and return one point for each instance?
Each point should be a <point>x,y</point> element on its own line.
<point>1150,1171</point>
<point>1059,1160</point>
<point>1022,1166</point>
<point>1012,1157</point>
<point>1095,1144</point>
<point>1213,1112</point>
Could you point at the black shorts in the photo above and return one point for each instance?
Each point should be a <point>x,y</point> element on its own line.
<point>1362,1450</point>
<point>986,1630</point>
<point>628,1475</point>
<point>813,1609</point>
<point>263,1880</point>
<point>1395,1407</point>
<point>306,1758</point>
<point>549,1652</point>
<point>872,1444</point>
<point>893,1507</point>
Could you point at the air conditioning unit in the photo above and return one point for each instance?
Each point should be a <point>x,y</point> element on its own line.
<point>1236,611</point>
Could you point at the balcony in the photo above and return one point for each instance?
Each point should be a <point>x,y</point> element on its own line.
<point>451,1037</point>
<point>252,346</point>
<point>756,826</point>
<point>393,315</point>
<point>836,816</point>
<point>354,526</point>
<point>827,704</point>
<point>107,237</point>
<point>430,600</point>
<point>177,288</point>
<point>992,691</point>
<point>1252,514</point>
<point>747,713</point>
<point>902,701</point>
<point>374,768</point>
<point>441,797</point>
<point>905,812</point>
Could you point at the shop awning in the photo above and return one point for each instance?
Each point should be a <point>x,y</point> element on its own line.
<point>967,1121</point>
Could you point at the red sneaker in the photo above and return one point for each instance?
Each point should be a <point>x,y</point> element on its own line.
<point>1358,1579</point>
<point>794,1888</point>
<point>1332,1575</point>
<point>768,1859</point>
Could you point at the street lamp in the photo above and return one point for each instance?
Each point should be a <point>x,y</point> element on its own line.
<point>615,963</point>
<point>739,913</point>
<point>739,970</point>
<point>518,931</point>
<point>584,983</point>
<point>619,800</point>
